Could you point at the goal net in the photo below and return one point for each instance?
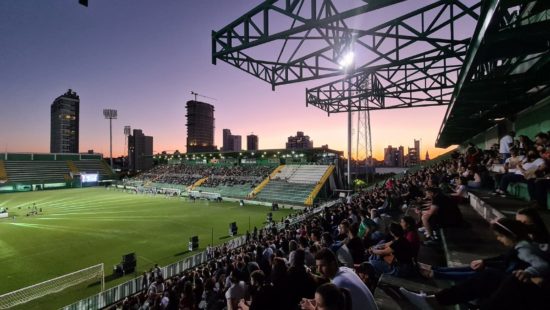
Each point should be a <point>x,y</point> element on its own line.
<point>55,285</point>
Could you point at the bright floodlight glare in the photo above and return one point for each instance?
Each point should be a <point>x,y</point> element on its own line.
<point>347,60</point>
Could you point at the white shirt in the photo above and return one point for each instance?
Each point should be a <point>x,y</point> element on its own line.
<point>236,291</point>
<point>361,297</point>
<point>530,166</point>
<point>505,144</point>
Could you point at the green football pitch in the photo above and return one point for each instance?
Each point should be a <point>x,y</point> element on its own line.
<point>78,228</point>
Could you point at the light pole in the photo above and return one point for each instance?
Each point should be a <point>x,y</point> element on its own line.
<point>127,131</point>
<point>110,114</point>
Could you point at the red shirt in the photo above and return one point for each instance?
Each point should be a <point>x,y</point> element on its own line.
<point>414,240</point>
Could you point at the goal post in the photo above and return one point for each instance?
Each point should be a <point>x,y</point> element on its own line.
<point>51,286</point>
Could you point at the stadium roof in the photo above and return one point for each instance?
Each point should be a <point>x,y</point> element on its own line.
<point>506,69</point>
<point>425,55</point>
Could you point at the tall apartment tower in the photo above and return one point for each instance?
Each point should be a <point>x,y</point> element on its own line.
<point>417,147</point>
<point>200,127</point>
<point>227,140</point>
<point>252,142</point>
<point>237,143</point>
<point>64,126</point>
<point>140,151</point>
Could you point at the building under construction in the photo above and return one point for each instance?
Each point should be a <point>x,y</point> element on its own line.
<point>200,127</point>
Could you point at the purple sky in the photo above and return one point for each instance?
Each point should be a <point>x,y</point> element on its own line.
<point>143,58</point>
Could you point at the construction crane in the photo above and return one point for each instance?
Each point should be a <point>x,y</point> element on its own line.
<point>199,95</point>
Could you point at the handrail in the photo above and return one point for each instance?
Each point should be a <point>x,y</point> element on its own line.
<point>317,189</point>
<point>261,186</point>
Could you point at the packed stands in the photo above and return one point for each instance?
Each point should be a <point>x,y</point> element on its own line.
<point>350,238</point>
<point>230,181</point>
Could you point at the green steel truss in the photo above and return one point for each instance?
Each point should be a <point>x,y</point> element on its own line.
<point>505,71</point>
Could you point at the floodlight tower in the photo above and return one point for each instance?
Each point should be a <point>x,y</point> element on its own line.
<point>127,132</point>
<point>346,63</point>
<point>110,114</point>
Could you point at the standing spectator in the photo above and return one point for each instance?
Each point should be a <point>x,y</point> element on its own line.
<point>505,143</point>
<point>236,292</point>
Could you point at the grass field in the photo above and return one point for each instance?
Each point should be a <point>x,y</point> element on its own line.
<point>79,228</point>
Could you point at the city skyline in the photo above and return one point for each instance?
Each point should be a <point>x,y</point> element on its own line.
<point>145,68</point>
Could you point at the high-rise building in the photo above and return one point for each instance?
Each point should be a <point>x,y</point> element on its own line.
<point>64,127</point>
<point>400,156</point>
<point>237,143</point>
<point>252,142</point>
<point>413,156</point>
<point>200,127</point>
<point>298,142</point>
<point>388,156</point>
<point>140,151</point>
<point>227,140</point>
<point>394,157</point>
<point>231,143</point>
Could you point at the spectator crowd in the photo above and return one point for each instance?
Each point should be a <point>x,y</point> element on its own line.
<point>334,257</point>
<point>218,175</point>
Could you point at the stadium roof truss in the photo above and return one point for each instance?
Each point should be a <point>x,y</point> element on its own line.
<point>410,60</point>
<point>507,69</point>
<point>485,59</point>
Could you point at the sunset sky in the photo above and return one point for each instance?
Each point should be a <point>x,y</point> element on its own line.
<point>143,58</point>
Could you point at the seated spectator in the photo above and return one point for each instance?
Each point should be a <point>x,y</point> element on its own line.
<point>474,177</point>
<point>523,261</point>
<point>524,172</point>
<point>441,212</point>
<point>460,194</point>
<point>329,297</point>
<point>343,277</point>
<point>535,226</point>
<point>339,248</point>
<point>237,291</point>
<point>301,282</point>
<point>261,293</point>
<point>395,257</point>
<point>409,226</point>
<point>355,245</point>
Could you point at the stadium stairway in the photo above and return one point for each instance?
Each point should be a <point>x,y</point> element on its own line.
<point>293,184</point>
<point>460,245</point>
<point>198,183</point>
<point>320,184</point>
<point>3,173</point>
<point>272,175</point>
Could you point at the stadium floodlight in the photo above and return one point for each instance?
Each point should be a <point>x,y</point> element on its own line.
<point>346,60</point>
<point>110,114</point>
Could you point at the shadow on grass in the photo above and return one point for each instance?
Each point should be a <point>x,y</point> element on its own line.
<point>224,237</point>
